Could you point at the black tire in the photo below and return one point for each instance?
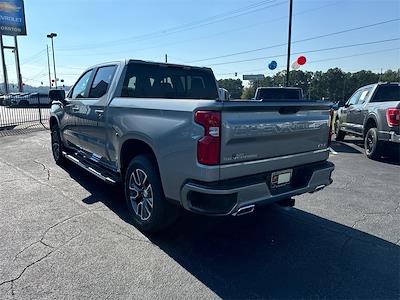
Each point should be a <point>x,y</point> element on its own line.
<point>372,145</point>
<point>149,209</point>
<point>339,134</point>
<point>57,147</point>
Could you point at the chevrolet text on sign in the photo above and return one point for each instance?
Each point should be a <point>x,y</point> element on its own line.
<point>12,17</point>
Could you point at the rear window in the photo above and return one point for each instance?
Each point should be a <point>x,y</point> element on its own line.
<point>387,93</point>
<point>173,82</point>
<point>278,94</point>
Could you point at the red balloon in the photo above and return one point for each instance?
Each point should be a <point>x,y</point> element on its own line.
<point>301,60</point>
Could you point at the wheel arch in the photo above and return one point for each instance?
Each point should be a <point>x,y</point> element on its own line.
<point>53,122</point>
<point>133,147</point>
<point>370,122</point>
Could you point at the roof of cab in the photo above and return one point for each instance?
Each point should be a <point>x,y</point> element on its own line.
<point>164,64</point>
<point>127,61</point>
<point>279,87</point>
<point>379,83</point>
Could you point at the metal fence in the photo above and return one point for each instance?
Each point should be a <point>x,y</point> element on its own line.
<point>21,111</point>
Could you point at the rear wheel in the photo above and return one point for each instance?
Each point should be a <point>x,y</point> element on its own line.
<point>56,146</point>
<point>149,209</point>
<point>339,134</point>
<point>372,145</point>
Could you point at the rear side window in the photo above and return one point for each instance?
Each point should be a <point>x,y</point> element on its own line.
<point>173,82</point>
<point>102,81</point>
<point>387,93</point>
<point>80,89</point>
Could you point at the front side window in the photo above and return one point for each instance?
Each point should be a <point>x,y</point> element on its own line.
<point>354,99</point>
<point>102,81</point>
<point>80,88</point>
<point>364,95</point>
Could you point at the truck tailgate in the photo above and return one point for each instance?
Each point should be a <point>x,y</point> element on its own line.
<point>256,131</point>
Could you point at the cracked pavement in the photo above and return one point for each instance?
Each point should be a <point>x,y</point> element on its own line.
<point>65,234</point>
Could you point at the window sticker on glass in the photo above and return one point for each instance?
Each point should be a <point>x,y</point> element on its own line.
<point>364,95</point>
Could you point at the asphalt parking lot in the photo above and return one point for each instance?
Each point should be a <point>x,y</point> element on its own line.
<point>65,234</point>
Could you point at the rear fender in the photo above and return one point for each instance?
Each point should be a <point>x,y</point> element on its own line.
<point>372,117</point>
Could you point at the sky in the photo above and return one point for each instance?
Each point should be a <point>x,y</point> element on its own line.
<point>196,32</point>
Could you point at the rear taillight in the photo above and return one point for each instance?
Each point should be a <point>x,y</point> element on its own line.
<point>393,116</point>
<point>208,147</point>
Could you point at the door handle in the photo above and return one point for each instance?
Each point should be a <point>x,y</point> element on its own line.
<point>75,108</point>
<point>99,112</point>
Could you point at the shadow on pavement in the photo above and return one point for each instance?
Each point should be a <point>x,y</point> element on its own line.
<point>343,148</point>
<point>391,155</point>
<point>274,253</point>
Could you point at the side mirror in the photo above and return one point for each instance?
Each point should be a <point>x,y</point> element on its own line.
<point>346,105</point>
<point>57,95</point>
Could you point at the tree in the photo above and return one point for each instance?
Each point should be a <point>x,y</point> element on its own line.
<point>248,92</point>
<point>234,87</point>
<point>333,82</point>
<point>333,85</point>
<point>391,76</point>
<point>301,79</point>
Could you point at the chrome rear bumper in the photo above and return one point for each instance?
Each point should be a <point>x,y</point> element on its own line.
<point>229,197</point>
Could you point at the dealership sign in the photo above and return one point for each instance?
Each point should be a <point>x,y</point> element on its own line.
<point>253,77</point>
<point>12,17</point>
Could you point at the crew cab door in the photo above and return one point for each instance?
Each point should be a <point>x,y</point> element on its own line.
<point>91,119</point>
<point>349,111</point>
<point>358,113</point>
<point>69,126</point>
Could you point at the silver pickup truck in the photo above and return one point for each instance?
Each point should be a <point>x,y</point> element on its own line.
<point>162,131</point>
<point>372,113</point>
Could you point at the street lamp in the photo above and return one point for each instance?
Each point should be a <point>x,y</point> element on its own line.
<point>51,36</point>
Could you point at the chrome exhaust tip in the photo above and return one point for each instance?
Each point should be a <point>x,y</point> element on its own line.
<point>318,188</point>
<point>244,210</point>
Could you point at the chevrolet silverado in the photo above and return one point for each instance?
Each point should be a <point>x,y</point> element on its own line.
<point>163,133</point>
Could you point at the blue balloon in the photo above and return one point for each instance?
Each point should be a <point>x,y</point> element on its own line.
<point>272,65</point>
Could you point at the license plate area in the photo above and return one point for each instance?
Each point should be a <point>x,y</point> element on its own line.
<point>281,178</point>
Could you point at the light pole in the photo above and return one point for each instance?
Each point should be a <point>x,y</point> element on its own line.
<point>48,65</point>
<point>52,36</point>
<point>289,42</point>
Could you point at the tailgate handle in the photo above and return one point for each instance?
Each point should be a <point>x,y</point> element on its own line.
<point>289,110</point>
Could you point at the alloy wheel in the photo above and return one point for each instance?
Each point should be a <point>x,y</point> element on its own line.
<point>55,145</point>
<point>370,143</point>
<point>141,194</point>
